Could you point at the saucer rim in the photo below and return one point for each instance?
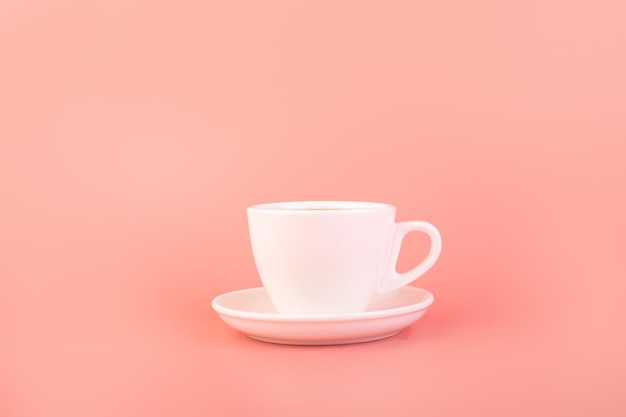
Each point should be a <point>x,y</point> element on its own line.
<point>366,315</point>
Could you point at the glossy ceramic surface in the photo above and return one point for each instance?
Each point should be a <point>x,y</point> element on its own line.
<point>250,311</point>
<point>332,257</point>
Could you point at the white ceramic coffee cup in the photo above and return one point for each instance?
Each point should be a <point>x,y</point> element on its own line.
<point>331,257</point>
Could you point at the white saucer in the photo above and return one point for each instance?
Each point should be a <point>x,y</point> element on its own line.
<point>250,311</point>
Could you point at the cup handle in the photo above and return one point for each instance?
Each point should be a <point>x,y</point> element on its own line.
<point>393,279</point>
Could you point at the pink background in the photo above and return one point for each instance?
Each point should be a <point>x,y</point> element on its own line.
<point>133,135</point>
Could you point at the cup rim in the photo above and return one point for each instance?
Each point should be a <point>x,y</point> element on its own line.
<point>321,206</point>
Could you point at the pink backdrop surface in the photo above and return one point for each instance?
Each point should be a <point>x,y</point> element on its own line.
<point>133,135</point>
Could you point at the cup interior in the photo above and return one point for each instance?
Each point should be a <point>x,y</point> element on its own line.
<point>320,206</point>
